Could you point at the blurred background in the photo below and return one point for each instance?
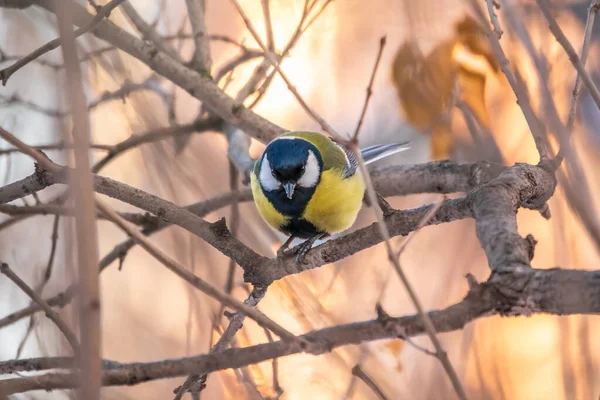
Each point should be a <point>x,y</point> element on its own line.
<point>437,72</point>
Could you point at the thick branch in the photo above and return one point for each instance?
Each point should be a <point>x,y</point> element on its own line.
<point>521,291</point>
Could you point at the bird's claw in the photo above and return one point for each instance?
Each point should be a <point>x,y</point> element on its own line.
<point>301,252</point>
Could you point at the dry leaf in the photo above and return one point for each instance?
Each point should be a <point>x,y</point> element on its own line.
<point>427,85</point>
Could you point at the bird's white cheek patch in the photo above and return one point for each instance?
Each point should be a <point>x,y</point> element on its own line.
<point>266,178</point>
<point>311,173</point>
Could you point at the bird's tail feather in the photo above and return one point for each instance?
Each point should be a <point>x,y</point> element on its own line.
<point>373,153</point>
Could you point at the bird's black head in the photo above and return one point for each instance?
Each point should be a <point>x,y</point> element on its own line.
<point>290,171</point>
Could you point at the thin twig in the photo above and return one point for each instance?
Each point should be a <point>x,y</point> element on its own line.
<point>587,40</point>
<point>266,7</point>
<point>269,56</point>
<point>148,32</point>
<point>568,47</point>
<point>50,264</point>
<point>385,235</point>
<point>274,369</point>
<point>363,376</point>
<point>491,4</point>
<point>102,13</point>
<point>50,313</point>
<point>261,70</point>
<point>382,42</point>
<point>429,327</point>
<point>520,90</point>
<point>201,60</point>
<point>197,381</point>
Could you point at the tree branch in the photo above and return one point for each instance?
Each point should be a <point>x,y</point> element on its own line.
<point>80,186</point>
<point>520,291</point>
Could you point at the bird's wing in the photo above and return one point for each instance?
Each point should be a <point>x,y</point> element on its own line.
<point>351,162</point>
<point>373,153</point>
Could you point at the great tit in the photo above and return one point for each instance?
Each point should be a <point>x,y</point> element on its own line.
<point>307,186</point>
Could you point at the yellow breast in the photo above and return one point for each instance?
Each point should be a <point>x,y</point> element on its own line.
<point>336,202</point>
<point>273,217</point>
<point>333,207</point>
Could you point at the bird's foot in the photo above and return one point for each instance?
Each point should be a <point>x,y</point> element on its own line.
<point>303,248</point>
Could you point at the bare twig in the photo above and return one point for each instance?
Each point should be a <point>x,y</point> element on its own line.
<point>85,216</point>
<point>382,42</point>
<point>568,47</point>
<point>49,266</point>
<point>147,31</point>
<point>197,13</point>
<point>198,381</point>
<point>269,56</point>
<point>363,376</point>
<point>274,369</point>
<point>520,90</point>
<point>491,4</point>
<point>587,39</point>
<point>266,7</point>
<point>50,313</point>
<point>102,13</point>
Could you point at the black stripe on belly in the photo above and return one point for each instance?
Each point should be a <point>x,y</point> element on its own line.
<point>290,208</point>
<point>294,209</point>
<point>301,228</point>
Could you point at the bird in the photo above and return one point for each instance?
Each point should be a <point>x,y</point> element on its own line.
<point>308,186</point>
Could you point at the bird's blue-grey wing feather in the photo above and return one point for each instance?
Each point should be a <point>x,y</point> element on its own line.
<point>373,153</point>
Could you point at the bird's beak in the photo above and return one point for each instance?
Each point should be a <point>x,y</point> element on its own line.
<point>289,189</point>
